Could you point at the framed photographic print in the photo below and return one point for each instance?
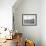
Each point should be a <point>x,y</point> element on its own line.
<point>29,19</point>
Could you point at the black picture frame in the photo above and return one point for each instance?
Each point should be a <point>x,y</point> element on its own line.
<point>29,19</point>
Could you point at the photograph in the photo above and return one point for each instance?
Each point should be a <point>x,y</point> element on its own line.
<point>29,19</point>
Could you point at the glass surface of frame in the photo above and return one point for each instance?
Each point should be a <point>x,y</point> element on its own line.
<point>29,19</point>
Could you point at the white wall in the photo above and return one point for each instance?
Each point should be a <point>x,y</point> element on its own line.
<point>28,7</point>
<point>43,22</point>
<point>6,13</point>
